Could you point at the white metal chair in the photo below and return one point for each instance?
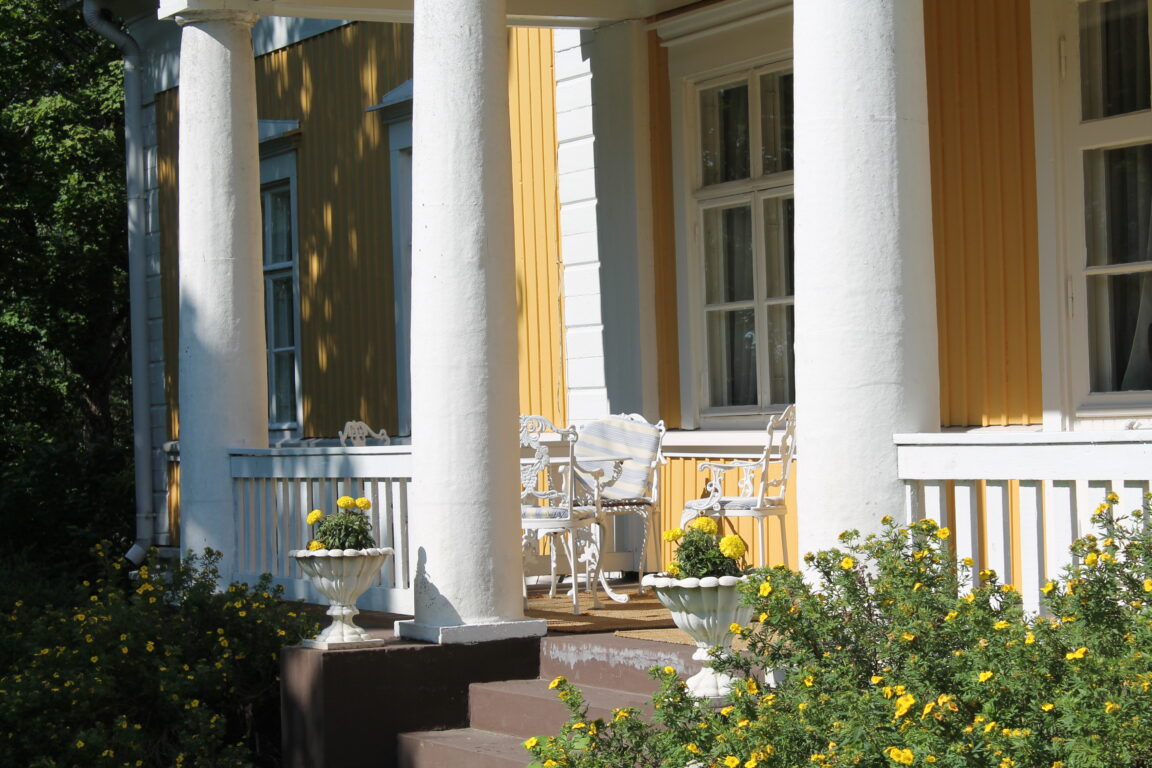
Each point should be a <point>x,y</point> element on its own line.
<point>357,433</point>
<point>766,500</point>
<point>634,486</point>
<point>548,505</point>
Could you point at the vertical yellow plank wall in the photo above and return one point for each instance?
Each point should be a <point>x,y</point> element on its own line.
<point>347,351</point>
<point>663,233</point>
<point>536,212</point>
<point>984,210</point>
<point>681,481</point>
<point>167,132</point>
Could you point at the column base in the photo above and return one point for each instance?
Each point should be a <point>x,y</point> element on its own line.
<point>471,633</point>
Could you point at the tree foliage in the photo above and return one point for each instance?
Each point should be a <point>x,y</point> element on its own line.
<point>64,385</point>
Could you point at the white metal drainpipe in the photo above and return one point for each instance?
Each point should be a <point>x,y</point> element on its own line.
<point>137,286</point>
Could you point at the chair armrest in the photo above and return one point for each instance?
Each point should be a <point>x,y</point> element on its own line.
<point>724,466</point>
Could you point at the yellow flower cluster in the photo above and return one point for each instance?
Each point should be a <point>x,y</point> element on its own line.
<point>705,524</point>
<point>902,756</point>
<point>673,535</point>
<point>315,545</point>
<point>314,517</point>
<point>733,546</point>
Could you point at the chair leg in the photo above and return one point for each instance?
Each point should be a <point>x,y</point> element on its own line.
<point>762,535</point>
<point>570,551</point>
<point>647,519</point>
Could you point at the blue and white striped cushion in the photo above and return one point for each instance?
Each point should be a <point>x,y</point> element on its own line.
<point>552,513</point>
<point>615,436</point>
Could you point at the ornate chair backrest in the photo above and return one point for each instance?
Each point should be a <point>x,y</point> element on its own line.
<point>782,434</point>
<point>542,479</point>
<point>629,435</point>
<point>357,433</point>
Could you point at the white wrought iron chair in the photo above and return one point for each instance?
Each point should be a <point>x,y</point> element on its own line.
<point>636,449</point>
<point>357,433</point>
<point>766,500</point>
<point>548,505</point>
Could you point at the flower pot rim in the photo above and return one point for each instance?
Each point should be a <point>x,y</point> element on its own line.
<point>663,581</point>
<point>369,552</point>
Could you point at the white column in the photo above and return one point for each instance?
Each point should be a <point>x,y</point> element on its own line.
<point>866,358</point>
<point>223,371</point>
<point>464,520</point>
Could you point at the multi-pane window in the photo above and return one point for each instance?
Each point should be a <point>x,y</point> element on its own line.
<point>1113,137</point>
<point>746,220</point>
<point>280,301</point>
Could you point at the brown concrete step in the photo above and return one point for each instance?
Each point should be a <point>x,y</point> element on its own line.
<point>610,661</point>
<point>466,748</point>
<point>524,708</point>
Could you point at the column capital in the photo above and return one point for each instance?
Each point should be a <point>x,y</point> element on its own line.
<point>204,15</point>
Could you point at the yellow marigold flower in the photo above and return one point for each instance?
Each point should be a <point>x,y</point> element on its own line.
<point>1112,498</point>
<point>314,517</point>
<point>752,763</point>
<point>1110,707</point>
<point>1006,588</point>
<point>886,519</point>
<point>531,742</point>
<point>345,502</point>
<point>364,503</point>
<point>968,562</point>
<point>809,681</point>
<point>943,533</point>
<point>1079,653</point>
<point>766,588</point>
<point>987,573</point>
<point>984,676</point>
<point>733,547</point>
<point>743,722</point>
<point>1106,557</point>
<point>550,763</point>
<point>1047,706</point>
<point>1047,588</point>
<point>725,711</point>
<point>705,524</point>
<point>674,569</point>
<point>669,670</point>
<point>692,748</point>
<point>907,637</point>
<point>916,587</point>
<point>556,683</point>
<point>579,726</point>
<point>876,679</point>
<point>950,615</point>
<point>732,761</point>
<point>903,704</point>
<point>927,709</point>
<point>1090,558</point>
<point>764,617</point>
<point>1148,585</point>
<point>751,687</point>
<point>1029,639</point>
<point>902,756</point>
<point>847,563</point>
<point>675,534</point>
<point>735,628</point>
<point>620,714</point>
<point>1000,625</point>
<point>315,545</point>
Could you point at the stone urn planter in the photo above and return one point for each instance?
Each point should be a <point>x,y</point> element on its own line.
<point>342,575</point>
<point>704,608</point>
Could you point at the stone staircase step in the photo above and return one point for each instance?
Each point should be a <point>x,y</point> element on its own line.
<point>611,661</point>
<point>465,747</point>
<point>524,708</point>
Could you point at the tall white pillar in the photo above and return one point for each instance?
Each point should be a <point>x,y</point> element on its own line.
<point>223,372</point>
<point>866,356</point>
<point>464,520</point>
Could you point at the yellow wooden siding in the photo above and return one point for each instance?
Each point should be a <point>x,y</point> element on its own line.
<point>347,350</point>
<point>663,233</point>
<point>167,134</point>
<point>681,481</point>
<point>536,214</point>
<point>984,210</point>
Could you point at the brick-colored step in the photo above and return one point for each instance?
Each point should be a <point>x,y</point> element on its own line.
<point>611,661</point>
<point>466,748</point>
<point>524,708</point>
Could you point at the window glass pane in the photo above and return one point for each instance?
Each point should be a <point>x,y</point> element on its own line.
<point>1114,76</point>
<point>728,254</point>
<point>283,387</point>
<point>732,357</point>
<point>781,337</point>
<point>779,251</point>
<point>776,121</point>
<point>1117,204</point>
<point>1120,312</point>
<point>724,151</point>
<point>282,330</point>
<point>277,225</point>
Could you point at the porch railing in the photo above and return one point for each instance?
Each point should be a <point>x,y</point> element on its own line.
<point>274,489</point>
<point>1016,500</point>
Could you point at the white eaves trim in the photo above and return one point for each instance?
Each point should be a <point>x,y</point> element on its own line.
<point>714,19</point>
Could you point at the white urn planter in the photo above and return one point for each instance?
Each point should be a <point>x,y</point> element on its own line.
<point>342,575</point>
<point>704,608</point>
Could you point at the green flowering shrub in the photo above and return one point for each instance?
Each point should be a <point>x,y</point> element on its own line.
<point>891,653</point>
<point>347,528</point>
<point>161,670</point>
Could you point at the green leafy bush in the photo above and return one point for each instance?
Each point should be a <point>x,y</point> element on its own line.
<point>892,653</point>
<point>162,670</point>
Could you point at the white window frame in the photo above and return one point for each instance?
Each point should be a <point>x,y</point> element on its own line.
<point>712,44</point>
<point>276,169</point>
<point>1061,140</point>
